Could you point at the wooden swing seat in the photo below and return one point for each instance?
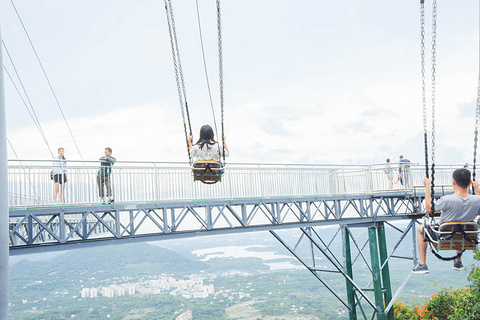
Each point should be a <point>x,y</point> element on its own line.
<point>207,171</point>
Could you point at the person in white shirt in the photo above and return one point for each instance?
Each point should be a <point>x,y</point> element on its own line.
<point>59,172</point>
<point>206,148</point>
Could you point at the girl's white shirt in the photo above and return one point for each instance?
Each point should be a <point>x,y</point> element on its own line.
<point>208,152</point>
<point>59,166</point>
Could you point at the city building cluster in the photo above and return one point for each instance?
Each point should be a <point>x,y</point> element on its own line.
<point>187,288</point>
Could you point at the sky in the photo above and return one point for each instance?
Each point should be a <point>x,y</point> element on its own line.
<point>334,82</point>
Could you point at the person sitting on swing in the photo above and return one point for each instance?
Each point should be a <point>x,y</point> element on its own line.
<point>206,148</point>
<point>459,206</point>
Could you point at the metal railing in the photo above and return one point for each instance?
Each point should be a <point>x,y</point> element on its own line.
<point>29,182</point>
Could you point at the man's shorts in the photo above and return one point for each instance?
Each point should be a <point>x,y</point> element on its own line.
<point>431,233</point>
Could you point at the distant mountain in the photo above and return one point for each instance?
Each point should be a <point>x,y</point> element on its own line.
<point>127,260</point>
<point>112,261</point>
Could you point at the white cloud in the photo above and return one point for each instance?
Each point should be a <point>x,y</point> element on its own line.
<point>300,85</point>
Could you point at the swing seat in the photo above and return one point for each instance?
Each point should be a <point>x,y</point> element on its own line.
<point>207,171</point>
<point>455,236</point>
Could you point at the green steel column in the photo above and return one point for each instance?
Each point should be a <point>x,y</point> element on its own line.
<point>382,243</point>
<point>377,282</point>
<point>348,264</point>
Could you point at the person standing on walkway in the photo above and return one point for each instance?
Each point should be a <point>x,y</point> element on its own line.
<point>59,175</point>
<point>104,176</point>
<point>390,173</point>
<point>404,170</point>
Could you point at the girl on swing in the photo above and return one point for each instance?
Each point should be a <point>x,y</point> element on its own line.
<point>206,147</point>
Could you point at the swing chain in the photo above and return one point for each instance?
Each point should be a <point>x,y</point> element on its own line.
<point>220,73</point>
<point>182,93</point>
<point>424,103</point>
<point>477,118</point>
<point>434,56</point>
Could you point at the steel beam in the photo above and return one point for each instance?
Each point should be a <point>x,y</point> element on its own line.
<point>377,280</point>
<point>34,228</point>
<point>385,271</point>
<point>376,296</point>
<point>352,313</point>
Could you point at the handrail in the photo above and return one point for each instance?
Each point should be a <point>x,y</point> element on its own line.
<point>29,181</point>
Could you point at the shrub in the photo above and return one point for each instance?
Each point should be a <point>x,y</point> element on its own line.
<point>447,304</point>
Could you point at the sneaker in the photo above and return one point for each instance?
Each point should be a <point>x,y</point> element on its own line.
<point>420,268</point>
<point>111,201</point>
<point>458,265</point>
<point>103,201</point>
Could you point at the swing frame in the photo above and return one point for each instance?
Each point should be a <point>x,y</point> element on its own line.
<point>454,235</point>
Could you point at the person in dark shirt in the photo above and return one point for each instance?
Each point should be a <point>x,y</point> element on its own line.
<point>404,172</point>
<point>104,176</point>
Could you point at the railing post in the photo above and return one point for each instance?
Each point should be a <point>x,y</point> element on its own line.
<point>370,178</point>
<point>4,229</point>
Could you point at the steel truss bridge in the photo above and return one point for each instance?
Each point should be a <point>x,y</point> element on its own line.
<point>158,200</point>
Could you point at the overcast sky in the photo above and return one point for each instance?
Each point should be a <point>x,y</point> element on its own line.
<point>305,81</point>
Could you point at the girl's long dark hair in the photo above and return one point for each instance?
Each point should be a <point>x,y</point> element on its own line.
<point>58,151</point>
<point>206,137</point>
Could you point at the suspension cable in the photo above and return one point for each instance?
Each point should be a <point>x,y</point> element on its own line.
<point>23,168</point>
<point>206,69</point>
<point>177,65</point>
<point>31,113</point>
<point>47,79</point>
<point>220,74</point>
<point>434,57</point>
<point>477,118</point>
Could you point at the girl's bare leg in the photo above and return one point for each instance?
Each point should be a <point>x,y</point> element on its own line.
<point>55,193</point>
<point>62,188</point>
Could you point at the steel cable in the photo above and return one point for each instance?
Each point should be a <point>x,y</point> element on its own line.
<point>206,70</point>
<point>47,79</point>
<point>182,95</point>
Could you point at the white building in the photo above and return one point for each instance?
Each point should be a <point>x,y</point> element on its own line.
<point>85,292</point>
<point>107,292</point>
<point>210,289</point>
<point>200,295</point>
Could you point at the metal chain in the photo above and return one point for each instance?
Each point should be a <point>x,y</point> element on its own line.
<point>206,75</point>
<point>424,103</point>
<point>220,73</point>
<point>180,69</point>
<point>182,95</point>
<point>434,56</point>
<point>477,118</point>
